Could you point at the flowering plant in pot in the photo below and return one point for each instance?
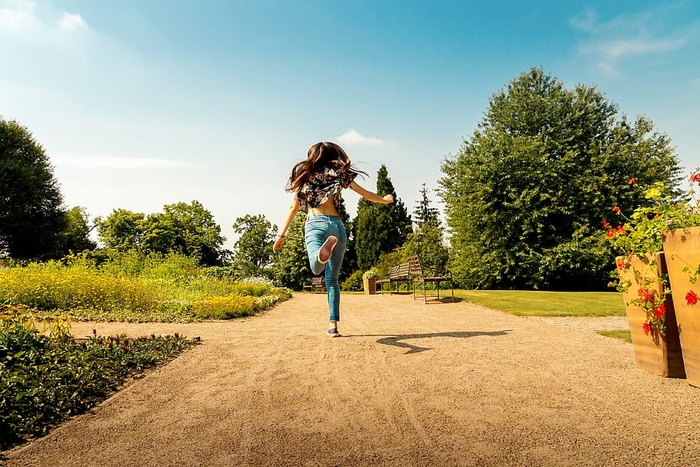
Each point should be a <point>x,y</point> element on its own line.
<point>642,234</point>
<point>641,275</point>
<point>369,281</point>
<point>638,238</point>
<point>681,243</point>
<point>370,274</point>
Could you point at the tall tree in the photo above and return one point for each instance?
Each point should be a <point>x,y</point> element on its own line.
<point>423,211</point>
<point>380,228</point>
<point>32,216</point>
<point>428,237</point>
<point>526,195</point>
<point>252,252</point>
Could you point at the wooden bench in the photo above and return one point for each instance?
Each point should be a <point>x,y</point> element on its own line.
<point>397,274</point>
<point>418,276</point>
<point>317,284</point>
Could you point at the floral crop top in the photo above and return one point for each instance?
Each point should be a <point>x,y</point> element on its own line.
<point>322,185</point>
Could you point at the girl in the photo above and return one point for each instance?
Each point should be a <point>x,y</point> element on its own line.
<point>317,183</point>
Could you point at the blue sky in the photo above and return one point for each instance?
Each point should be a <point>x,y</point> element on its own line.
<point>143,103</point>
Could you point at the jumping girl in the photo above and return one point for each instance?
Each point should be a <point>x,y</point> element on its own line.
<point>317,183</point>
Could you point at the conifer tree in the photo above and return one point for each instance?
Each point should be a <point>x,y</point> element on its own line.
<point>380,228</point>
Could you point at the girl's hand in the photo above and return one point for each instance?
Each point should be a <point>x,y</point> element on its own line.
<point>278,244</point>
<point>389,199</point>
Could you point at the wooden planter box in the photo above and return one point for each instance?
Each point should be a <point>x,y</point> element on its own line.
<point>682,249</point>
<point>370,286</point>
<point>658,355</point>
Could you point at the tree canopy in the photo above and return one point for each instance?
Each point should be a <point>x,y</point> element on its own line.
<point>252,252</point>
<point>527,193</point>
<point>32,216</point>
<point>76,236</point>
<point>187,229</point>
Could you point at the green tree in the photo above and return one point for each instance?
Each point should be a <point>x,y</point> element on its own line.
<point>252,252</point>
<point>526,195</point>
<point>76,236</point>
<point>424,212</point>
<point>291,263</point>
<point>380,228</point>
<point>32,216</point>
<point>186,229</point>
<point>123,230</point>
<point>428,238</point>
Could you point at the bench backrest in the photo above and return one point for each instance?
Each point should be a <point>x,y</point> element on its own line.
<point>415,265</point>
<point>399,271</point>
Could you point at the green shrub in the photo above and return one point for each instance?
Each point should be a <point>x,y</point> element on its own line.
<point>353,283</point>
<point>44,380</point>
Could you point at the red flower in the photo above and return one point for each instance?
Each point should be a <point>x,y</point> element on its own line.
<point>691,298</point>
<point>695,177</point>
<point>616,209</point>
<point>647,328</point>
<point>621,229</point>
<point>632,181</point>
<point>611,233</point>
<point>660,311</point>
<point>605,224</point>
<point>646,294</point>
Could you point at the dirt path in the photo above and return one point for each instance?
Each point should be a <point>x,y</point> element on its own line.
<point>408,384</point>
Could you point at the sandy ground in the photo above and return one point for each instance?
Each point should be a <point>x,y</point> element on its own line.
<point>408,384</point>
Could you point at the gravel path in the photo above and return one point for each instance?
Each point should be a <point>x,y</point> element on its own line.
<point>409,384</point>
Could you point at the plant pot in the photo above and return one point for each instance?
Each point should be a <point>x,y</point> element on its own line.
<point>658,355</point>
<point>682,249</point>
<point>370,286</point>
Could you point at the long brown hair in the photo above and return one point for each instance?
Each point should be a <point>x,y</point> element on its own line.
<point>320,156</point>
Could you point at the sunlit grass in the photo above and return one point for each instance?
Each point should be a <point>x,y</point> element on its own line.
<point>618,334</point>
<point>539,303</point>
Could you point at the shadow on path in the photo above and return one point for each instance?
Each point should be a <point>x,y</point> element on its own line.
<point>397,341</point>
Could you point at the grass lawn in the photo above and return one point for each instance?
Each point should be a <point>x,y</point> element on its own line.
<point>538,303</point>
<point>624,335</point>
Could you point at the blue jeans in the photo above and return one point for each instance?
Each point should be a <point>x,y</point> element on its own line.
<point>318,229</point>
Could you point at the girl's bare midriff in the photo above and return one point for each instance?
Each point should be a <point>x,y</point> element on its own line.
<point>326,209</point>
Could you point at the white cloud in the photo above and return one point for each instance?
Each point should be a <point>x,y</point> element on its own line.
<point>72,22</point>
<point>105,162</point>
<point>626,36</point>
<point>19,16</point>
<point>353,137</point>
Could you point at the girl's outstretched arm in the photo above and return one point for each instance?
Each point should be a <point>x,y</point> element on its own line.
<point>293,210</point>
<point>370,196</point>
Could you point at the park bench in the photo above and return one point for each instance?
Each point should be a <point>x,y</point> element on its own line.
<point>397,275</point>
<point>418,276</point>
<point>317,284</point>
